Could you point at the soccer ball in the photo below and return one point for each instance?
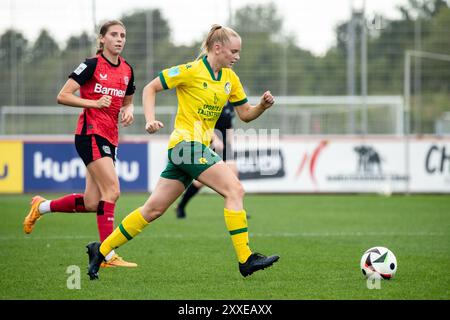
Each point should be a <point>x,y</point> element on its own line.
<point>378,262</point>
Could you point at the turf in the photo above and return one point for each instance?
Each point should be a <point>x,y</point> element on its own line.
<point>320,240</point>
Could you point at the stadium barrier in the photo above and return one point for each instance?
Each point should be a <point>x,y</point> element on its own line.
<point>38,166</point>
<point>293,164</point>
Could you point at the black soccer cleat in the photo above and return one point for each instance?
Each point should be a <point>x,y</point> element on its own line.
<point>95,259</point>
<point>256,262</point>
<point>181,214</point>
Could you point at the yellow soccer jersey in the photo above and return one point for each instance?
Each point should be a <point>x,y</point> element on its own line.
<point>201,98</point>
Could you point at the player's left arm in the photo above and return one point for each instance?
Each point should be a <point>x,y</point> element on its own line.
<point>247,112</point>
<point>127,111</point>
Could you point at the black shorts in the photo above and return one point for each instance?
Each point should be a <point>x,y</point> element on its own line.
<point>93,147</point>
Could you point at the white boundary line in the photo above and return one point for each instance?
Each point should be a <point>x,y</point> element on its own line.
<point>259,235</point>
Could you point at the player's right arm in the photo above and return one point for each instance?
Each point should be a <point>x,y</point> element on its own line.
<point>167,79</point>
<point>67,97</point>
<point>148,100</point>
<point>77,78</point>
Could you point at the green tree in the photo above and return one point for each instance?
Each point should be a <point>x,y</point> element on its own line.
<point>13,51</point>
<point>13,47</point>
<point>438,39</point>
<point>148,45</point>
<point>262,19</point>
<point>44,47</point>
<point>386,47</point>
<point>436,74</point>
<point>260,68</point>
<point>81,42</point>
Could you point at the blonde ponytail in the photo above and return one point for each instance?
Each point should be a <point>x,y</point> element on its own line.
<point>217,33</point>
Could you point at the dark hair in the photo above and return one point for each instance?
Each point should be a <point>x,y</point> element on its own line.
<point>216,34</point>
<point>103,30</point>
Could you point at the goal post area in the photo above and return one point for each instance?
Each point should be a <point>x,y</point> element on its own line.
<point>335,115</point>
<point>302,115</point>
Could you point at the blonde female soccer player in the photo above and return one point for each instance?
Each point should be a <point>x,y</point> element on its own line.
<point>203,88</point>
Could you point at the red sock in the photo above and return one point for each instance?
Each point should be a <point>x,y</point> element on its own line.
<point>105,219</point>
<point>69,203</point>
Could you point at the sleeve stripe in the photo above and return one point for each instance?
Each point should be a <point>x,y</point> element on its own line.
<point>163,81</point>
<point>238,103</point>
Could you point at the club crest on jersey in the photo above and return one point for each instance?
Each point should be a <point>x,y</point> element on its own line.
<point>227,88</point>
<point>126,79</point>
<point>103,76</point>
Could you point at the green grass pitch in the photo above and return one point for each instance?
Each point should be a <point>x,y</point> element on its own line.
<point>320,239</point>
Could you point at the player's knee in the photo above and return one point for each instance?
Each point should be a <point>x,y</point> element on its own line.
<point>156,213</point>
<point>112,194</point>
<point>236,191</point>
<point>115,194</point>
<point>151,212</point>
<point>240,190</point>
<point>91,204</point>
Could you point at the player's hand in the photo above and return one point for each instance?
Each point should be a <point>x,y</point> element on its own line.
<point>153,126</point>
<point>267,100</point>
<point>127,117</point>
<point>104,102</point>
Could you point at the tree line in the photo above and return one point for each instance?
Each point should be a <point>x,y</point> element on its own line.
<point>33,73</point>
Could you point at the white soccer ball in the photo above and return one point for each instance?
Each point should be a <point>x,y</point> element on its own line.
<point>378,262</point>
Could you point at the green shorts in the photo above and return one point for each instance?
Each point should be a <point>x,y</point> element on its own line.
<point>187,160</point>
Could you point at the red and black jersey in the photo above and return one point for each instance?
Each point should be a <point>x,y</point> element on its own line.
<point>97,77</point>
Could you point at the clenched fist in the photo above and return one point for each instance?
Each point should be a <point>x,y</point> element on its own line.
<point>153,126</point>
<point>267,100</point>
<point>104,102</point>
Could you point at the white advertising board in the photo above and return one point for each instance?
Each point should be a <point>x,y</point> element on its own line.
<point>319,165</point>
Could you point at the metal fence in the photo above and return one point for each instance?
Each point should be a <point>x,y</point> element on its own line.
<point>307,115</point>
<point>368,58</point>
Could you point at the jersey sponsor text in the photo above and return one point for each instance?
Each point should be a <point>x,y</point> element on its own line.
<point>109,91</point>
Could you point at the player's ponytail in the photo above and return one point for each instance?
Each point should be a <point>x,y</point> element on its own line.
<point>103,30</point>
<point>217,33</point>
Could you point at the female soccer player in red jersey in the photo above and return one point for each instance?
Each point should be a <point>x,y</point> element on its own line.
<point>106,85</point>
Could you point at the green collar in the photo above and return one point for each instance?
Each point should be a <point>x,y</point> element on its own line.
<point>211,72</point>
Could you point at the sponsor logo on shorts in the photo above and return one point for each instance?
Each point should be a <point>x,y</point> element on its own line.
<point>106,149</point>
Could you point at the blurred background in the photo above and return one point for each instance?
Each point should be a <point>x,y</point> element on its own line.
<point>318,51</point>
<point>343,69</point>
<point>362,112</point>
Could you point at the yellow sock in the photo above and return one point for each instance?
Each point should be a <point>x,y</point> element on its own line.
<point>130,227</point>
<point>236,222</point>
